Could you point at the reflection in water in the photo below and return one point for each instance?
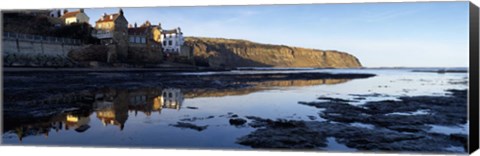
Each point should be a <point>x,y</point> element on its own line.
<point>170,98</point>
<point>112,106</point>
<point>78,122</point>
<point>259,86</point>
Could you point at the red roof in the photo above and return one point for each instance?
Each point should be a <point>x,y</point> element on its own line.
<point>108,18</point>
<point>70,14</point>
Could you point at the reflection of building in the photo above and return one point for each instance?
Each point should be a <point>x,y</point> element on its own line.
<point>33,130</point>
<point>112,112</point>
<point>74,17</point>
<point>170,98</point>
<point>141,101</point>
<point>79,123</point>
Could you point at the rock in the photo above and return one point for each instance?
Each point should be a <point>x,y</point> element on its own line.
<point>82,128</point>
<point>293,134</point>
<point>189,126</point>
<point>461,138</point>
<point>190,107</point>
<point>237,121</point>
<point>283,134</point>
<point>90,53</point>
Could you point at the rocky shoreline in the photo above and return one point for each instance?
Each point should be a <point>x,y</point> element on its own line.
<point>383,127</point>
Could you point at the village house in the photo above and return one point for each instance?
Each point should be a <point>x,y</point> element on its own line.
<point>144,43</point>
<point>147,35</point>
<point>112,29</point>
<point>173,43</point>
<point>172,40</point>
<point>68,18</point>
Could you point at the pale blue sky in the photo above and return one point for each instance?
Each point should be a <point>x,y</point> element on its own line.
<point>432,34</point>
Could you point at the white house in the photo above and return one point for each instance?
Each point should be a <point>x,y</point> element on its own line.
<point>172,40</point>
<point>74,17</point>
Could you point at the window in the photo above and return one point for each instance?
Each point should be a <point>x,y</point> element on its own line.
<point>169,42</point>
<point>143,40</point>
<point>132,39</point>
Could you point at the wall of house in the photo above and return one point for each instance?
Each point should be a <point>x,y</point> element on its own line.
<point>107,26</point>
<point>70,20</point>
<point>120,36</point>
<point>35,53</point>
<point>172,43</point>
<point>83,18</point>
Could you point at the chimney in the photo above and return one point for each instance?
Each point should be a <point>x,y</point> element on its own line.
<point>120,11</point>
<point>65,11</point>
<point>81,10</point>
<point>104,14</point>
<point>135,25</point>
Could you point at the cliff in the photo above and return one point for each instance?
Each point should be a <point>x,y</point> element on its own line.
<point>216,52</point>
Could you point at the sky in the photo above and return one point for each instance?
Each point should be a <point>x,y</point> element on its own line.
<point>427,34</point>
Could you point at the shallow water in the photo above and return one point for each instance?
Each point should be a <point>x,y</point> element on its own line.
<point>143,117</point>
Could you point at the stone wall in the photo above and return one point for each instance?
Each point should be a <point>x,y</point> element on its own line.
<point>36,53</point>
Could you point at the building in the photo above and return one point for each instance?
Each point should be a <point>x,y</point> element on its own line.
<point>56,13</point>
<point>172,40</point>
<point>147,35</point>
<point>144,44</point>
<point>112,29</point>
<point>78,16</point>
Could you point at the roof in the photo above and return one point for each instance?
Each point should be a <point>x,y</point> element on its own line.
<point>139,30</point>
<point>70,14</point>
<point>108,18</point>
<point>172,31</point>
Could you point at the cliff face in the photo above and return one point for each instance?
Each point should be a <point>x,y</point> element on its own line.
<point>216,52</point>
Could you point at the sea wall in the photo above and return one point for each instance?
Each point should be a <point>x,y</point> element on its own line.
<point>216,52</point>
<point>22,52</point>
